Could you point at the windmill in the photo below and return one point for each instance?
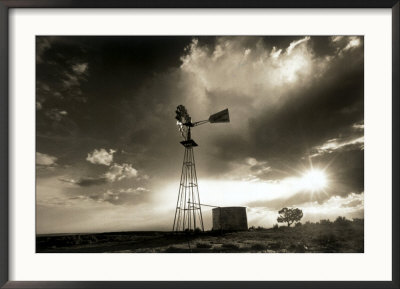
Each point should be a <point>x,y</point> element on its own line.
<point>188,215</point>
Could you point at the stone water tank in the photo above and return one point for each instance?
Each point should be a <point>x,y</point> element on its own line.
<point>229,218</point>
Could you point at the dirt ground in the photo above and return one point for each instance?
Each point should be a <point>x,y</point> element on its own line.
<point>308,238</point>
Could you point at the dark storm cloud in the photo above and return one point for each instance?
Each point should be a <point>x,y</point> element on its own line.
<point>310,117</point>
<point>86,182</point>
<point>346,169</point>
<point>322,46</point>
<point>116,66</point>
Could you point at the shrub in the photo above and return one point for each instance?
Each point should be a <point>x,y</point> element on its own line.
<point>298,224</point>
<point>330,242</point>
<point>358,221</point>
<point>298,248</point>
<point>275,246</point>
<point>259,247</point>
<point>275,227</point>
<point>342,221</point>
<point>284,228</point>
<point>173,249</point>
<point>230,246</point>
<point>325,222</point>
<point>203,245</point>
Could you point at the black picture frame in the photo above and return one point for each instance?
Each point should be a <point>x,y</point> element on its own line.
<point>6,5</point>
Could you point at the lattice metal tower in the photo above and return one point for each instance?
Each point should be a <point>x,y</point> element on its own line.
<point>188,216</point>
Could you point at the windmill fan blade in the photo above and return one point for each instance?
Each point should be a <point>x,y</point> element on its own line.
<point>222,116</point>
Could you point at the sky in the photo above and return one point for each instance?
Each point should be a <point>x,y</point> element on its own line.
<point>108,156</point>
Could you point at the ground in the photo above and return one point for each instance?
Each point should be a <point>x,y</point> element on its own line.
<point>327,237</point>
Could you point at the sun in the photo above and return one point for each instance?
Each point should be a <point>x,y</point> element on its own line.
<point>314,180</point>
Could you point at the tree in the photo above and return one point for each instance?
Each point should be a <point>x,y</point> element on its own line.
<point>289,216</point>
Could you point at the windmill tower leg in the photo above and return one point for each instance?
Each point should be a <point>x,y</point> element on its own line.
<point>188,216</point>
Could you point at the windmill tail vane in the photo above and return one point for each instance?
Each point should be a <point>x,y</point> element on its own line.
<point>188,215</point>
<point>222,116</point>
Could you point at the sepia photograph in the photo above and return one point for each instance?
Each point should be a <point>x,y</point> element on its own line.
<point>200,144</point>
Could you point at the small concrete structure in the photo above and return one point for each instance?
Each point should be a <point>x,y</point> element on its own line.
<point>229,218</point>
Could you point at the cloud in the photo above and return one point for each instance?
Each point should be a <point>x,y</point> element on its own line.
<point>42,45</point>
<point>70,80</point>
<point>344,44</point>
<point>61,70</point>
<point>56,114</point>
<point>275,52</point>
<point>251,169</point>
<point>38,105</point>
<point>354,202</point>
<point>45,160</point>
<point>128,196</point>
<point>138,190</point>
<point>80,68</point>
<point>85,182</point>
<point>353,42</point>
<point>119,172</point>
<point>296,43</point>
<point>252,70</point>
<point>74,76</point>
<point>115,173</point>
<point>335,144</point>
<point>336,38</point>
<point>101,157</point>
<point>294,200</point>
<point>359,126</point>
